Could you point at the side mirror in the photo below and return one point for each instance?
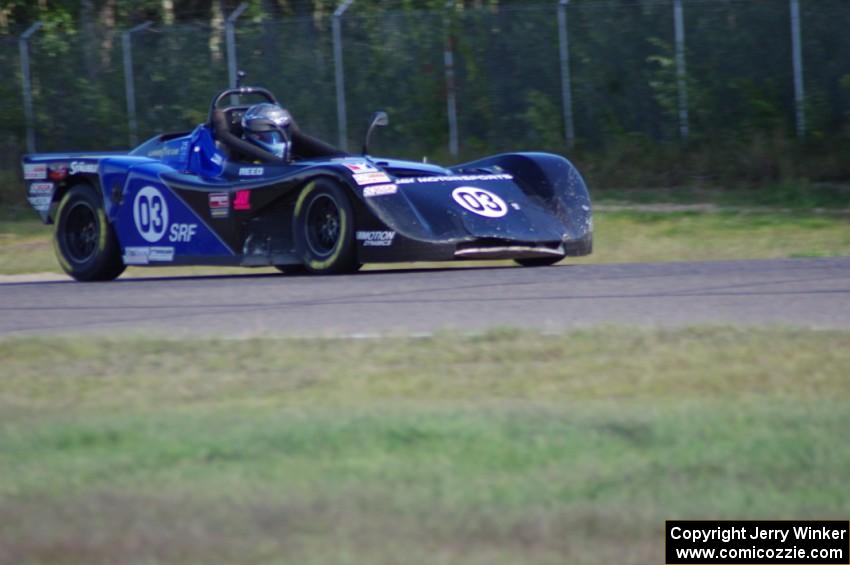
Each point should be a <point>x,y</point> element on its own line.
<point>379,119</point>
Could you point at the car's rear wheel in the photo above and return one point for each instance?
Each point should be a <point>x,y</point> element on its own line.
<point>84,241</point>
<point>538,261</point>
<point>324,228</point>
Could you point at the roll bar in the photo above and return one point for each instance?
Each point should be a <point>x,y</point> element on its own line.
<point>241,91</point>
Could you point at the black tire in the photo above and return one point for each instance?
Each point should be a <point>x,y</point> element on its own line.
<point>324,229</point>
<point>538,261</point>
<point>84,241</point>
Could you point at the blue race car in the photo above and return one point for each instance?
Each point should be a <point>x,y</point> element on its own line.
<point>249,188</point>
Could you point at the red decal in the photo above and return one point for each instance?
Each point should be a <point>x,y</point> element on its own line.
<point>219,200</point>
<point>57,171</point>
<point>242,200</point>
<point>360,168</point>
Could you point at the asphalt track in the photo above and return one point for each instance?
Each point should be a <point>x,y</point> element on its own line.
<point>813,293</point>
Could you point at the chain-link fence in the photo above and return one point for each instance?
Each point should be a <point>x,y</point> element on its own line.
<point>176,72</point>
<point>468,82</point>
<point>11,113</point>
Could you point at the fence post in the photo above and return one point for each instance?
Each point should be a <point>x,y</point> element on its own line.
<point>230,37</point>
<point>341,113</point>
<point>451,86</point>
<point>797,56</point>
<point>681,73</point>
<point>566,85</point>
<point>26,80</point>
<point>130,83</point>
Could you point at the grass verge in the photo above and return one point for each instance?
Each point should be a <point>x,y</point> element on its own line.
<point>510,447</point>
<point>800,196</point>
<point>621,236</point>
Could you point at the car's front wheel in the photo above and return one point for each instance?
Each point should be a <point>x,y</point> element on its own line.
<point>84,241</point>
<point>324,228</point>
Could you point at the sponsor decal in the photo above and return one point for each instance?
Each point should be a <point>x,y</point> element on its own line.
<point>379,190</point>
<point>376,238</point>
<point>150,214</point>
<point>242,201</point>
<point>144,255</point>
<point>219,204</point>
<point>161,152</point>
<point>455,178</point>
<point>162,254</point>
<point>35,171</point>
<point>40,203</point>
<point>360,167</point>
<point>57,171</point>
<point>41,188</point>
<point>217,159</point>
<point>82,167</point>
<point>371,178</point>
<point>136,255</point>
<point>480,201</point>
<point>251,171</point>
<point>182,151</point>
<point>182,232</point>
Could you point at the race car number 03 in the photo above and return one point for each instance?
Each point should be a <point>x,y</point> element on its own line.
<point>150,213</point>
<point>480,201</point>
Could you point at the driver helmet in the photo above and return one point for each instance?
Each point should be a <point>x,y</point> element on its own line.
<point>268,127</point>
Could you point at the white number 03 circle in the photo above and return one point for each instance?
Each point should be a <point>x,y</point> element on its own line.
<point>480,201</point>
<point>150,212</point>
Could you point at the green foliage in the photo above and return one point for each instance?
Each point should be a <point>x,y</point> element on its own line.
<point>540,113</point>
<point>624,81</point>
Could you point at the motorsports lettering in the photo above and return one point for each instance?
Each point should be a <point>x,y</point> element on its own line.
<point>146,255</point>
<point>219,205</point>
<point>379,190</point>
<point>41,188</point>
<point>35,172</point>
<point>480,201</point>
<point>370,178</point>
<point>82,167</point>
<point>376,238</point>
<point>462,178</point>
<point>150,212</point>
